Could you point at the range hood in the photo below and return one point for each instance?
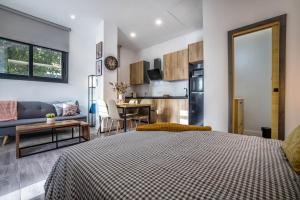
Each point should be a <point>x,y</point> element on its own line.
<point>156,73</point>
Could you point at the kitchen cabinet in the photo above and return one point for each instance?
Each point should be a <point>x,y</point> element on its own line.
<point>182,71</point>
<point>170,60</point>
<point>196,52</point>
<point>176,65</point>
<point>172,110</point>
<point>138,72</point>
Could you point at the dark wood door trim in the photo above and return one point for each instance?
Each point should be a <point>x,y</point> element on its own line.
<point>252,28</point>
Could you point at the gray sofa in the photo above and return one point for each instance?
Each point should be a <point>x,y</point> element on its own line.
<point>30,112</point>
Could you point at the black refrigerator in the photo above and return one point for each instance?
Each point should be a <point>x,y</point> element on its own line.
<point>196,94</point>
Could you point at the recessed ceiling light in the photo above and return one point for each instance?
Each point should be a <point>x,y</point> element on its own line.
<point>72,16</point>
<point>158,22</point>
<point>133,34</point>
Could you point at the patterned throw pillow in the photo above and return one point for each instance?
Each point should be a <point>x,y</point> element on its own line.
<point>69,109</point>
<point>74,103</point>
<point>59,106</point>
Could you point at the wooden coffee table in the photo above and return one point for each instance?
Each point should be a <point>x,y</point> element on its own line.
<point>32,128</point>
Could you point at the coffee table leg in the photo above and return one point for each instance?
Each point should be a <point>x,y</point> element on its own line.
<point>17,145</point>
<point>52,135</point>
<point>72,132</point>
<point>56,137</point>
<point>79,133</point>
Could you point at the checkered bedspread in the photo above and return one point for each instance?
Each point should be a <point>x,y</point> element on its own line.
<point>161,165</point>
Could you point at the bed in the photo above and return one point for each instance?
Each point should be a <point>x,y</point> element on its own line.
<point>163,165</point>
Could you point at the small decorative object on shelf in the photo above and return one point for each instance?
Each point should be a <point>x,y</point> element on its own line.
<point>111,63</point>
<point>92,85</point>
<point>121,89</point>
<point>50,118</point>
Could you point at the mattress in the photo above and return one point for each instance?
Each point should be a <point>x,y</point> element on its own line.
<point>163,165</point>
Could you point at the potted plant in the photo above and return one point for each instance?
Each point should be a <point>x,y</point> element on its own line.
<point>50,118</point>
<point>121,89</point>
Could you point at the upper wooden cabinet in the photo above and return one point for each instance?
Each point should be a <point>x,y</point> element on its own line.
<point>170,61</point>
<point>196,52</point>
<point>138,72</point>
<point>182,72</point>
<point>176,65</point>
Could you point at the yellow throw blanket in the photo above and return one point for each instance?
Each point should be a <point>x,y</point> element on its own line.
<point>172,127</point>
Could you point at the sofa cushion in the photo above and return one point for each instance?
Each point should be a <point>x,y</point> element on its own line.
<point>18,122</point>
<point>34,109</point>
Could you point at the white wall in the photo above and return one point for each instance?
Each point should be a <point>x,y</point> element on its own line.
<point>253,78</point>
<point>221,16</point>
<point>100,80</point>
<point>127,56</point>
<point>110,48</point>
<point>157,88</point>
<point>81,64</point>
<point>108,34</point>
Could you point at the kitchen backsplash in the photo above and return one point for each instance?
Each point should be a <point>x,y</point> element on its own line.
<point>160,88</point>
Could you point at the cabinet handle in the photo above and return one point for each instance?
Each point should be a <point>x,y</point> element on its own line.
<point>275,90</point>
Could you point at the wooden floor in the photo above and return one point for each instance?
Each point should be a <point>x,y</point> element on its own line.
<point>24,178</point>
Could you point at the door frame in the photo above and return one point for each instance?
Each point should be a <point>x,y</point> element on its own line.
<point>269,23</point>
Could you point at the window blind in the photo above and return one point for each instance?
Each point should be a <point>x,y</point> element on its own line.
<point>23,27</point>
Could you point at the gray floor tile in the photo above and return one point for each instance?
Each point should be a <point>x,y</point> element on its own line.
<point>7,157</point>
<point>24,178</point>
<point>30,172</point>
<point>9,184</point>
<point>7,170</point>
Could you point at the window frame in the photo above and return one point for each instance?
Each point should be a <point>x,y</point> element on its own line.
<point>30,77</point>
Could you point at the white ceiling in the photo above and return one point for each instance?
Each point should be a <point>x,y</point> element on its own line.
<point>179,16</point>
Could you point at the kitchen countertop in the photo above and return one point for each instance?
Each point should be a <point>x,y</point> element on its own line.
<point>158,97</point>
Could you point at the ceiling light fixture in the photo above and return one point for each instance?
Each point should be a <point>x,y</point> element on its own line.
<point>72,16</point>
<point>133,34</point>
<point>158,22</point>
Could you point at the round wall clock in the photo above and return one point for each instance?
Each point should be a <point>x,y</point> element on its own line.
<point>111,63</point>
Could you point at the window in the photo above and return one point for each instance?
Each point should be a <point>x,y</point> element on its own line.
<point>29,62</point>
<point>47,63</point>
<point>14,58</point>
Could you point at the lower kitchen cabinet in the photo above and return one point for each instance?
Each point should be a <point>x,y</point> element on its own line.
<point>172,110</point>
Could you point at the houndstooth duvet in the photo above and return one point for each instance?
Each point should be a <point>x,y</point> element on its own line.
<point>161,165</point>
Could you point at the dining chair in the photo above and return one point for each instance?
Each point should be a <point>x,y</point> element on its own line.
<point>103,115</point>
<point>115,115</point>
<point>134,112</point>
<point>143,115</point>
<point>133,101</point>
